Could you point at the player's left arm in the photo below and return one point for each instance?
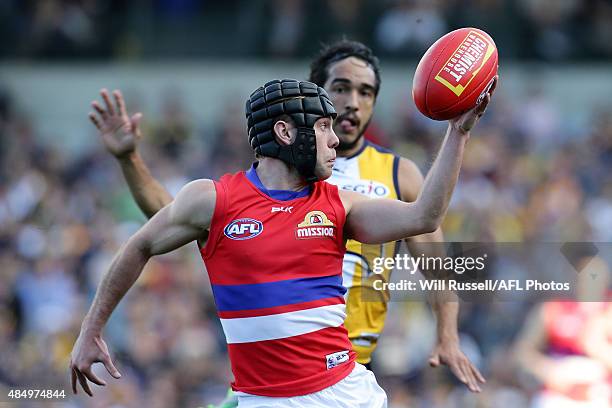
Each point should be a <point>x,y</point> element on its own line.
<point>444,304</point>
<point>377,221</point>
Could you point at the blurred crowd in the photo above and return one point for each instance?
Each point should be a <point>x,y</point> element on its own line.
<point>550,30</point>
<point>528,175</point>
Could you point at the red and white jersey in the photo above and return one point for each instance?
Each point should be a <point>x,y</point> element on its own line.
<point>276,273</point>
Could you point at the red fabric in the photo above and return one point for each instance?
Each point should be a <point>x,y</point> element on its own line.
<point>295,365</point>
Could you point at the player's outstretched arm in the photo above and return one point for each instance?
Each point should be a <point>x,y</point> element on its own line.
<point>380,221</point>
<point>121,134</point>
<point>182,221</point>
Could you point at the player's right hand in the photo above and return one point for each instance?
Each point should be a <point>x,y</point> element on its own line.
<point>120,133</point>
<point>87,351</point>
<point>466,121</point>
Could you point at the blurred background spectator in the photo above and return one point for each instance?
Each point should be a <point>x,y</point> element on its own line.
<point>554,30</point>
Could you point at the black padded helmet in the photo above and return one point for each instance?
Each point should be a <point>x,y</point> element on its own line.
<point>305,103</point>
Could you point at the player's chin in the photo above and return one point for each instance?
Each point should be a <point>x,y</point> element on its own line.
<point>324,171</point>
<point>347,137</point>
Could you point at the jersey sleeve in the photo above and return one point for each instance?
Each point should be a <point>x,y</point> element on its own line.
<point>217,222</point>
<point>333,195</point>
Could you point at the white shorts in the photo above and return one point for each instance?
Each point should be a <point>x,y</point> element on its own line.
<point>359,389</point>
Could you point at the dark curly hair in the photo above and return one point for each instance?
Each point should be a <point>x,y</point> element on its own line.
<point>338,51</point>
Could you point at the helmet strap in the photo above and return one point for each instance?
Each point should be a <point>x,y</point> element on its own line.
<point>302,153</point>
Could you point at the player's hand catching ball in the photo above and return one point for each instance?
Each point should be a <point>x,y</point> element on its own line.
<point>87,351</point>
<point>466,121</point>
<point>119,132</point>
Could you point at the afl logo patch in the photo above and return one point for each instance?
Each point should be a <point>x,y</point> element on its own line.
<point>243,228</point>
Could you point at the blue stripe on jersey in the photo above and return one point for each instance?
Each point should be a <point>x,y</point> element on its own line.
<point>398,193</point>
<point>280,293</point>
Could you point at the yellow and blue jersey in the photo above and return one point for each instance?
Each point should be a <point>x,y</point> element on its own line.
<point>373,172</point>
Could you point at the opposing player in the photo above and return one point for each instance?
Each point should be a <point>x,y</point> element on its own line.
<point>283,319</point>
<point>349,72</point>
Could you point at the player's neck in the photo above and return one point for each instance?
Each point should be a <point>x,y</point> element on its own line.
<point>275,174</point>
<point>352,149</point>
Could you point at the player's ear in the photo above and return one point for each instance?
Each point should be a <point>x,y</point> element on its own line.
<point>284,132</point>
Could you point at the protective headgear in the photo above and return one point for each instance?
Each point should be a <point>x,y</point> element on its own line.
<point>305,103</point>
